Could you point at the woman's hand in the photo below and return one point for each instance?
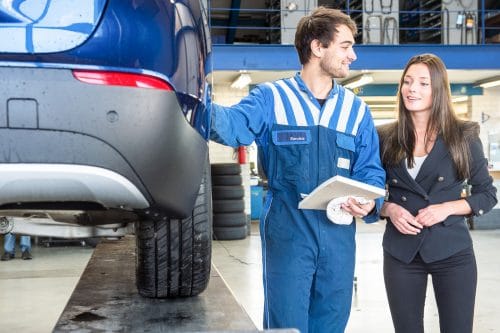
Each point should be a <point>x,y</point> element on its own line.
<point>401,218</point>
<point>433,214</point>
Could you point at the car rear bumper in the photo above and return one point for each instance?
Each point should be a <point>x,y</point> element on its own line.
<point>50,118</point>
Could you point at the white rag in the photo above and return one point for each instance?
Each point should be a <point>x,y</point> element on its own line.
<point>339,216</point>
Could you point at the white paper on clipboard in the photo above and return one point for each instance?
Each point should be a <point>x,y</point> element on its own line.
<point>339,186</point>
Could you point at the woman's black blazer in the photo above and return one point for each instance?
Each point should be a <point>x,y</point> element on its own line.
<point>435,183</point>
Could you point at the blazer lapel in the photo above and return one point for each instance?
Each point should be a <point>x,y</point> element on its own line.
<point>436,155</point>
<point>402,174</point>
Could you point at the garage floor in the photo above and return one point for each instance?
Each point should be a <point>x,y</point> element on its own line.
<point>33,293</point>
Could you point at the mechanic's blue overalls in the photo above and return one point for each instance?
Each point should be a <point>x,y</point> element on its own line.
<point>308,261</point>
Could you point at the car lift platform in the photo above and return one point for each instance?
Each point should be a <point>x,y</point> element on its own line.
<point>106,300</point>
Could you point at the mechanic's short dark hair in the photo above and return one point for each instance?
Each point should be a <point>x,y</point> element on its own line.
<point>322,25</point>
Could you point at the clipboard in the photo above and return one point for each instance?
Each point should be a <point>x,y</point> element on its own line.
<point>339,186</point>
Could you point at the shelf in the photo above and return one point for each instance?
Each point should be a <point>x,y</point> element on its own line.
<point>427,15</point>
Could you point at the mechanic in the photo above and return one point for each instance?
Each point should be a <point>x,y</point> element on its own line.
<point>308,128</point>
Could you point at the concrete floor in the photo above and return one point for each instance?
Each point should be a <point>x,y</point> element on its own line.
<point>33,293</point>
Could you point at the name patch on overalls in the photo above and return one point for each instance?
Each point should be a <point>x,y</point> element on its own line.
<point>343,163</point>
<point>287,137</point>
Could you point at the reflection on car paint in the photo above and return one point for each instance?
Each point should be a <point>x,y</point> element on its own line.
<point>46,26</point>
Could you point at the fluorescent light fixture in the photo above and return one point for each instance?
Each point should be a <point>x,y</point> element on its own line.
<point>357,81</point>
<point>241,81</point>
<point>459,99</point>
<point>488,83</point>
<point>382,106</point>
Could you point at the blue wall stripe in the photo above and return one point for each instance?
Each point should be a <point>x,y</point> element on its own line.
<point>374,57</point>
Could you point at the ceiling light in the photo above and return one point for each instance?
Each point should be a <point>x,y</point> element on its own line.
<point>292,6</point>
<point>241,81</point>
<point>382,106</point>
<point>460,99</point>
<point>488,83</point>
<point>357,81</point>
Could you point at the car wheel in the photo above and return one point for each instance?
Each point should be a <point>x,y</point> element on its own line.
<point>174,255</point>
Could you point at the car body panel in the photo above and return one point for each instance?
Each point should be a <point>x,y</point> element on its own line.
<point>138,133</point>
<point>166,39</point>
<point>154,138</point>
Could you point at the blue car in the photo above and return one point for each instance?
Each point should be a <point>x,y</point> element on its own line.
<point>104,127</point>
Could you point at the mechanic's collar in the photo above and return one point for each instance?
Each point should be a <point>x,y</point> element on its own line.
<point>303,87</point>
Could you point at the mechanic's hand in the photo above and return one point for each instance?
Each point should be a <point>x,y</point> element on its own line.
<point>401,218</point>
<point>353,207</point>
<point>432,214</point>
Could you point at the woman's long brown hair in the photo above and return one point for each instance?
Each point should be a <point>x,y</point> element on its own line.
<point>399,138</point>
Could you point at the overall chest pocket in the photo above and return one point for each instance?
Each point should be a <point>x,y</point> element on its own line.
<point>345,148</point>
<point>292,151</point>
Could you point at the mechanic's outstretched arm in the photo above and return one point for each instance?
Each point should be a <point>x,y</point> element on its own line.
<point>240,124</point>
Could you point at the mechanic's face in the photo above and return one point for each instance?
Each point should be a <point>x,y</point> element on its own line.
<point>339,55</point>
<point>416,90</point>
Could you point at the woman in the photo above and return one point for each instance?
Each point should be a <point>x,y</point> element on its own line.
<point>428,154</point>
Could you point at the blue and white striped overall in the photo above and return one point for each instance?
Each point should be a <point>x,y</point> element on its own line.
<point>308,262</point>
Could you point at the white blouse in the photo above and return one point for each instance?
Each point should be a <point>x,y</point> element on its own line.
<point>419,160</point>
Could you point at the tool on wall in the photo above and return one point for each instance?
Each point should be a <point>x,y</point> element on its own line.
<point>460,20</point>
<point>390,31</point>
<point>373,22</point>
<point>469,28</point>
<point>365,6</point>
<point>466,22</point>
<point>445,26</point>
<point>386,26</point>
<point>386,8</point>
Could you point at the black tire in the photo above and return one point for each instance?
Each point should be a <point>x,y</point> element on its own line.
<point>230,233</point>
<point>228,192</point>
<point>226,169</point>
<point>174,256</point>
<point>92,241</point>
<point>229,206</point>
<point>227,180</point>
<point>230,219</point>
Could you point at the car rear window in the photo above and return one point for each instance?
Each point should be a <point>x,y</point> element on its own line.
<point>44,26</point>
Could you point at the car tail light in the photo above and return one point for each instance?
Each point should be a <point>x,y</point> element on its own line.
<point>121,79</point>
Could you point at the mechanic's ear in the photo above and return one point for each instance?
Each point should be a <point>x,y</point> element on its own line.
<point>316,48</point>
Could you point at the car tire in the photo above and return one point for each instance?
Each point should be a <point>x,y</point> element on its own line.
<point>226,169</point>
<point>174,255</point>
<point>238,219</point>
<point>228,192</point>
<point>227,180</point>
<point>230,233</point>
<point>229,206</point>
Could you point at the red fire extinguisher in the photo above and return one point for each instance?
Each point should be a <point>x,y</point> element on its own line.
<point>242,155</point>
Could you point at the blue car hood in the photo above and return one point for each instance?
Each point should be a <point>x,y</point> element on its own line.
<point>45,26</point>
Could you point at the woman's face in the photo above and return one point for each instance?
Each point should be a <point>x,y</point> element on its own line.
<point>416,90</point>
